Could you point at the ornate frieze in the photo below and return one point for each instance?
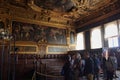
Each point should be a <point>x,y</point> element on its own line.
<point>100,12</point>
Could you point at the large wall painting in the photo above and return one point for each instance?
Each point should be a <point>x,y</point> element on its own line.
<point>72,37</point>
<point>24,49</point>
<point>57,49</point>
<point>57,36</point>
<point>28,32</point>
<point>33,32</point>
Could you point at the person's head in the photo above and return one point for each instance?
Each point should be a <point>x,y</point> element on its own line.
<point>67,58</point>
<point>78,56</point>
<point>95,55</point>
<point>86,54</point>
<point>112,53</point>
<point>73,56</point>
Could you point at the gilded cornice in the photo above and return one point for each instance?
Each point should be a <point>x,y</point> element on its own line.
<point>65,14</point>
<point>44,17</point>
<point>101,13</point>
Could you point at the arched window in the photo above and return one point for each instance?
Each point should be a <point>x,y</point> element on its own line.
<point>96,41</point>
<point>111,34</point>
<point>80,41</point>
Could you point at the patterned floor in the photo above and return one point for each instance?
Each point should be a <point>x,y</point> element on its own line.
<point>101,77</point>
<point>118,74</point>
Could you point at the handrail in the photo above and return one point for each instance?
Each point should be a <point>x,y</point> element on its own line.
<point>34,76</point>
<point>46,75</point>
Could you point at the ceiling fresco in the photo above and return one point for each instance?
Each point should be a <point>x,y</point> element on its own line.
<point>55,5</point>
<point>72,10</point>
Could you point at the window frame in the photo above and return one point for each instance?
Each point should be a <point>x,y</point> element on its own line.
<point>98,27</point>
<point>82,42</point>
<point>113,36</point>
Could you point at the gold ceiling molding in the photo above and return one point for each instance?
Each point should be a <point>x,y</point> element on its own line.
<point>14,13</point>
<point>33,6</point>
<point>109,9</point>
<point>15,18</point>
<point>86,7</point>
<point>98,18</point>
<point>91,3</point>
<point>59,16</point>
<point>68,11</point>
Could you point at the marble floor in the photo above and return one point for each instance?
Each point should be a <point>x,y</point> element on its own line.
<point>84,78</point>
<point>101,77</point>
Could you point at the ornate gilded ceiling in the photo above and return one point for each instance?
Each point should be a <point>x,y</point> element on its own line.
<point>68,12</point>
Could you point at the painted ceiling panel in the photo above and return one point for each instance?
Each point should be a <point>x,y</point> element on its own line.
<point>72,10</point>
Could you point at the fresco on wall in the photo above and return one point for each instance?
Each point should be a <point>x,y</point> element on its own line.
<point>55,5</point>
<point>57,49</point>
<point>57,36</point>
<point>33,32</point>
<point>22,31</point>
<point>72,37</point>
<point>24,48</point>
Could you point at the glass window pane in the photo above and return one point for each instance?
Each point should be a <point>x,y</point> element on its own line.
<point>113,42</point>
<point>80,41</point>
<point>96,41</point>
<point>111,29</point>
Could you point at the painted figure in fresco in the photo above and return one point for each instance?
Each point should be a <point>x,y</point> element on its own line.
<point>22,33</point>
<point>57,36</point>
<point>61,36</point>
<point>43,34</point>
<point>72,37</point>
<point>37,33</point>
<point>25,34</point>
<point>32,32</point>
<point>53,36</point>
<point>40,34</point>
<point>17,32</point>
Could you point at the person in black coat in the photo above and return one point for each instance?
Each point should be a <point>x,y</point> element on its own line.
<point>67,70</point>
<point>89,66</point>
<point>96,66</point>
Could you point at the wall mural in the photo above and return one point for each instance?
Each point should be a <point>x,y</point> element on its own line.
<point>72,37</point>
<point>24,49</point>
<point>57,36</point>
<point>33,32</point>
<point>57,49</point>
<point>55,5</point>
